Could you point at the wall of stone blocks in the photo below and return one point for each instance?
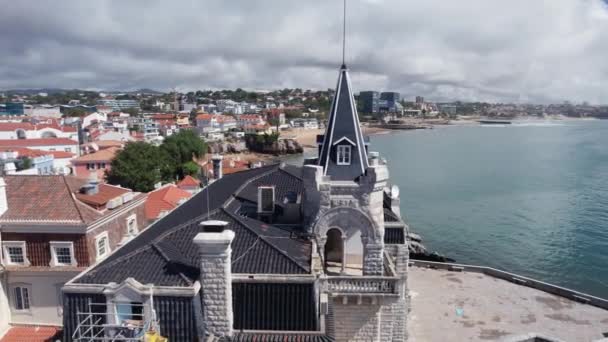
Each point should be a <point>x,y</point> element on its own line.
<point>356,322</point>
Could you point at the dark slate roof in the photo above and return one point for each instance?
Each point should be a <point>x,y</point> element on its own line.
<point>164,254</point>
<point>343,123</point>
<point>390,216</point>
<point>270,337</point>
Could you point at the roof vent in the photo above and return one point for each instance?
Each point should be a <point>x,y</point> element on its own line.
<point>213,226</point>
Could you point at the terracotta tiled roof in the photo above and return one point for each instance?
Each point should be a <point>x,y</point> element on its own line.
<point>188,181</point>
<point>108,143</point>
<point>37,142</point>
<point>106,193</point>
<point>105,155</point>
<point>27,152</point>
<point>163,117</point>
<point>61,154</point>
<point>30,333</point>
<point>164,199</point>
<point>12,126</point>
<point>218,117</point>
<point>44,200</point>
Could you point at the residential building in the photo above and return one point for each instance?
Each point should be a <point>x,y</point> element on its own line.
<point>208,123</point>
<point>249,120</point>
<point>190,184</point>
<point>118,105</point>
<point>46,111</point>
<point>27,130</point>
<point>369,101</point>
<point>98,162</point>
<point>162,201</point>
<point>375,102</point>
<point>306,123</point>
<point>44,144</point>
<point>51,229</point>
<point>42,163</point>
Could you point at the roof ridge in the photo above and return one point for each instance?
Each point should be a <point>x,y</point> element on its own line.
<point>73,197</point>
<point>164,256</point>
<point>263,238</point>
<point>289,173</point>
<point>271,168</point>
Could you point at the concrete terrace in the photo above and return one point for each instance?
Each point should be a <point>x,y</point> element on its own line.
<point>471,306</point>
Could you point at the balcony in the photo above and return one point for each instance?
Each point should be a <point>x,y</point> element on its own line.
<point>363,285</point>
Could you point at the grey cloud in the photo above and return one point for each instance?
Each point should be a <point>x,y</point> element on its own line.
<point>495,50</point>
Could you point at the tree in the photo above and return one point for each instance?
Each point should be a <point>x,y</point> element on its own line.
<point>190,169</point>
<point>138,166</point>
<point>182,148</point>
<point>75,112</point>
<point>133,111</point>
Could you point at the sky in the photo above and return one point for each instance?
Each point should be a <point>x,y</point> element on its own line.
<point>535,51</point>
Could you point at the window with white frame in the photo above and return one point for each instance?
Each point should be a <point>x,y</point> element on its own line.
<point>102,245</point>
<point>21,297</point>
<point>62,253</point>
<point>132,224</point>
<point>343,154</point>
<point>15,253</point>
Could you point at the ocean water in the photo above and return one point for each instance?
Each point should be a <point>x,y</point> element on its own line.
<point>525,198</point>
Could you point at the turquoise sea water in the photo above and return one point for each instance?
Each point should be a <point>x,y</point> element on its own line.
<point>530,199</point>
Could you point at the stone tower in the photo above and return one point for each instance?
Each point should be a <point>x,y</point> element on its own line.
<point>343,200</point>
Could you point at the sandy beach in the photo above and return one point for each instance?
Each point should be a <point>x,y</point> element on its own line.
<point>308,137</point>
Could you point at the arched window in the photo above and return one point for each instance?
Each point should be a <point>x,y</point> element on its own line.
<point>334,251</point>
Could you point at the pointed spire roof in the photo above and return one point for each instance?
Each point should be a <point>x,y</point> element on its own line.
<point>343,128</point>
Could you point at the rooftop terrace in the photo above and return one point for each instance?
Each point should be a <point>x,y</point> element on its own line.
<point>472,306</point>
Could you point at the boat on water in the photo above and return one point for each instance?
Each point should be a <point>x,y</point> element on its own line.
<point>495,122</point>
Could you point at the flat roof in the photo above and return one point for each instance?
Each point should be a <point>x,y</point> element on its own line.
<point>470,306</point>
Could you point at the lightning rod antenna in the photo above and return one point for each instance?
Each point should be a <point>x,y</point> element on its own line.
<point>344,34</point>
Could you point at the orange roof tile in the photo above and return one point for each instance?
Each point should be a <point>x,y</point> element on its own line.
<point>106,193</point>
<point>164,199</point>
<point>105,155</point>
<point>188,181</point>
<point>30,333</point>
<point>37,142</point>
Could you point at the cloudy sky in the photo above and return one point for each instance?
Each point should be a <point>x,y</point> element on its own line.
<point>492,50</point>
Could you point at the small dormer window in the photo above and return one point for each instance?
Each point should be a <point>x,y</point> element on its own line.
<point>344,154</point>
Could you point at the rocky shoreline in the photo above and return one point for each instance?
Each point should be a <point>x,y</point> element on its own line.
<point>419,252</point>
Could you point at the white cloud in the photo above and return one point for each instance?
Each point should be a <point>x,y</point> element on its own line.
<point>505,50</point>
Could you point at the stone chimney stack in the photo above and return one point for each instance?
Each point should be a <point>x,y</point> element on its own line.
<point>3,198</point>
<point>217,166</point>
<point>216,279</point>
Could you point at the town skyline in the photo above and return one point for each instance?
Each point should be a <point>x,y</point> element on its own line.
<point>551,52</point>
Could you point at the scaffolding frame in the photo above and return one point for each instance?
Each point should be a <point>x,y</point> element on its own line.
<point>93,325</point>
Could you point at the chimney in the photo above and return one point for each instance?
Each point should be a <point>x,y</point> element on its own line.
<point>92,186</point>
<point>216,279</point>
<point>3,198</point>
<point>217,166</point>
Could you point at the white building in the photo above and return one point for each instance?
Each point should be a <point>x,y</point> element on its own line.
<point>26,130</point>
<point>47,144</point>
<point>208,123</point>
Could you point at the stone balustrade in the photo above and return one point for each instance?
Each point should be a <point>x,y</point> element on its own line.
<point>362,285</point>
